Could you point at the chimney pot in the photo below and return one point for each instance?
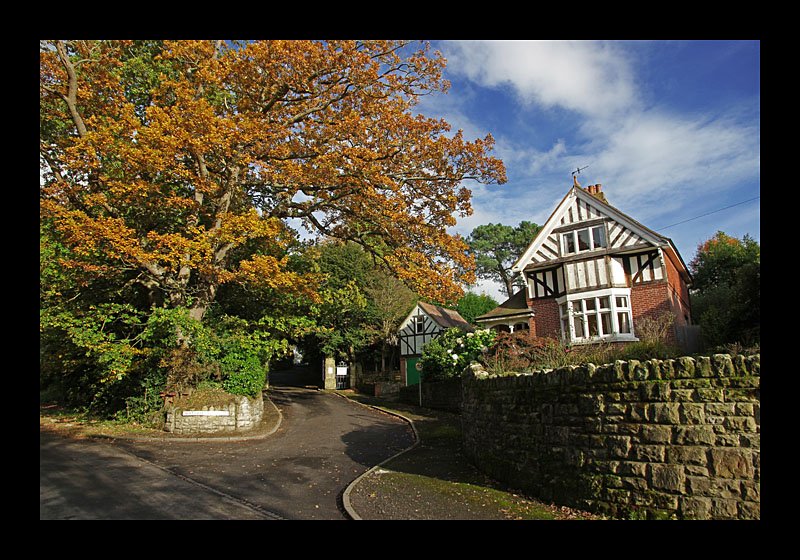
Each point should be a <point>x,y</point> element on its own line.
<point>597,188</point>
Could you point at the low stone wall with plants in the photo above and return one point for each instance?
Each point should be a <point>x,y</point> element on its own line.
<point>240,415</point>
<point>662,439</point>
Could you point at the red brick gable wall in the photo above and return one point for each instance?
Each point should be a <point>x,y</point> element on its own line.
<point>679,294</point>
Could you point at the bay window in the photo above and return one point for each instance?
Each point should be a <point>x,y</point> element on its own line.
<point>594,316</point>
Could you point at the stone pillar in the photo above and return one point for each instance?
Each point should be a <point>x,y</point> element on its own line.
<point>329,374</point>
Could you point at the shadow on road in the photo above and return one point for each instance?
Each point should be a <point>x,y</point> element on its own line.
<point>297,376</point>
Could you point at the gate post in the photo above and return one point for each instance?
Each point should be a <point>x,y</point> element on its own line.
<point>329,373</point>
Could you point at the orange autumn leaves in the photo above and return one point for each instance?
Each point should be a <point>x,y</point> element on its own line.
<point>195,182</point>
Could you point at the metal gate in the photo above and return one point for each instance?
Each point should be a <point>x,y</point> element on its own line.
<point>342,376</point>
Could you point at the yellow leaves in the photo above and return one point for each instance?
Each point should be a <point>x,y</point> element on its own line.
<point>238,228</point>
<point>437,277</point>
<point>173,182</point>
<point>268,271</point>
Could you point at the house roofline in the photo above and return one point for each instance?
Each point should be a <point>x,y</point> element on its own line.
<point>655,237</point>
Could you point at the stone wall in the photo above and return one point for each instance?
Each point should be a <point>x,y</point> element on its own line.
<point>239,416</point>
<point>675,439</point>
<point>441,395</point>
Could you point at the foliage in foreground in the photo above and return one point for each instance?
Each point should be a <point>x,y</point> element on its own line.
<point>229,352</point>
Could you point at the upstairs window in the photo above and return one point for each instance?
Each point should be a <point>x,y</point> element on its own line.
<point>586,239</point>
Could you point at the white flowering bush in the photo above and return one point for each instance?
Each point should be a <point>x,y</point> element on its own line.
<point>448,355</point>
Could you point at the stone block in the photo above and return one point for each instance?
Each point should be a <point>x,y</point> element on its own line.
<point>692,413</point>
<point>695,435</point>
<point>618,446</point>
<point>656,434</point>
<point>670,478</point>
<point>722,508</point>
<point>695,508</point>
<point>665,413</point>
<point>731,463</point>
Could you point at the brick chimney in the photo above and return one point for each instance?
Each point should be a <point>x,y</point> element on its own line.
<point>595,190</point>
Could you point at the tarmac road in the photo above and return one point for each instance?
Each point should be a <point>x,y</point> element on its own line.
<point>299,472</point>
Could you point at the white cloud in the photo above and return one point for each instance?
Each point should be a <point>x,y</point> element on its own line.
<point>587,77</point>
<point>656,161</point>
<point>650,158</point>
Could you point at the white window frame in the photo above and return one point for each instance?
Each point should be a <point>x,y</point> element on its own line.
<point>574,235</point>
<point>575,316</point>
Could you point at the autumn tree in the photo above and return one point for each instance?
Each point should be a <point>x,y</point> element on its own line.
<point>177,164</point>
<point>496,247</point>
<point>726,289</point>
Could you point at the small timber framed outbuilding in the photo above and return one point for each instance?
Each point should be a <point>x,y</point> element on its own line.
<point>425,322</point>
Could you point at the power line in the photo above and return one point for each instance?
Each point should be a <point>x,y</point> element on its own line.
<point>709,213</point>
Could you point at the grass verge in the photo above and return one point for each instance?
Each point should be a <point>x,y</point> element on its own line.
<point>434,480</point>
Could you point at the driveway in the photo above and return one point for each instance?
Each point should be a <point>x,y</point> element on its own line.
<point>299,472</point>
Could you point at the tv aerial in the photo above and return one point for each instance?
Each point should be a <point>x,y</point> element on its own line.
<point>578,170</point>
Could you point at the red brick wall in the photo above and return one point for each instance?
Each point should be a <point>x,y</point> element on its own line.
<point>546,322</point>
<point>651,301</point>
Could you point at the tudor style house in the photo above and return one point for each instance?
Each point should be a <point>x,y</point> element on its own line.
<point>593,274</point>
<point>423,324</point>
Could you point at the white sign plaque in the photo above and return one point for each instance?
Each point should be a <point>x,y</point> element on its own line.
<point>206,413</point>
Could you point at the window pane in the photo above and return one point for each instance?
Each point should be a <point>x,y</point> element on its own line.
<point>592,321</point>
<point>605,302</point>
<point>605,318</point>
<point>569,243</point>
<point>622,301</point>
<point>578,324</point>
<point>576,307</point>
<point>562,310</point>
<point>583,240</point>
<point>589,304</point>
<point>599,237</point>
<point>624,323</point>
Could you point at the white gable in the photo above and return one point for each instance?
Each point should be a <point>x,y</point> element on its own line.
<point>577,207</point>
<point>416,331</point>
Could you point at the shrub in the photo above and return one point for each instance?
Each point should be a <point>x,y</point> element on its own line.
<point>447,356</point>
<point>243,366</point>
<point>230,350</point>
<point>522,352</point>
<point>240,354</point>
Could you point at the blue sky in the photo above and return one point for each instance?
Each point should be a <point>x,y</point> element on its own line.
<point>671,129</point>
